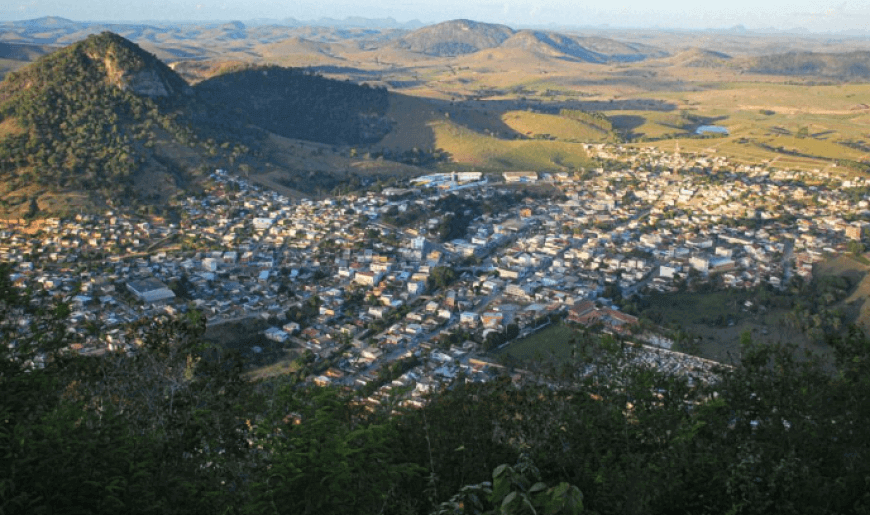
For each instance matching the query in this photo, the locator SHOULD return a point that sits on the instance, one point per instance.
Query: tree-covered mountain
(103, 121)
(89, 119)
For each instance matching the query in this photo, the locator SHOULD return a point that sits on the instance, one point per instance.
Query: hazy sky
(820, 15)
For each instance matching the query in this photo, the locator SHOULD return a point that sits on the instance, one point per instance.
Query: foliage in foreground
(175, 430)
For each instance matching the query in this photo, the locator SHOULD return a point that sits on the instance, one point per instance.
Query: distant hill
(551, 44)
(585, 49)
(273, 41)
(700, 58)
(354, 22)
(24, 51)
(15, 55)
(455, 37)
(460, 37)
(843, 66)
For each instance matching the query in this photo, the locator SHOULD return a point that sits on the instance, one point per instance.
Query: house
(514, 177)
(378, 311)
(367, 278)
(492, 319)
(587, 313)
(150, 291)
(276, 335)
(469, 318)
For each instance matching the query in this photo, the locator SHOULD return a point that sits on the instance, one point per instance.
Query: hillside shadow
(628, 104)
(626, 122)
(415, 116)
(349, 71)
(299, 104)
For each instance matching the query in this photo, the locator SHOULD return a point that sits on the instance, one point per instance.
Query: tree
(102, 435)
(32, 209)
(441, 277)
(326, 458)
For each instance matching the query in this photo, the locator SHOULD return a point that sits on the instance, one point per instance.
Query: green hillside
(298, 104)
(86, 119)
(103, 122)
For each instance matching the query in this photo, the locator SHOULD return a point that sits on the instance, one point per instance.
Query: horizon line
(738, 28)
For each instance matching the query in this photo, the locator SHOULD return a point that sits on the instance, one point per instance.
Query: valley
(587, 115)
(366, 266)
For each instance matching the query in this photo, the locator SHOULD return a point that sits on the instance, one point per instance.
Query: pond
(711, 129)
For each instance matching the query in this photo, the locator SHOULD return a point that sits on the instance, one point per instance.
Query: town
(386, 291)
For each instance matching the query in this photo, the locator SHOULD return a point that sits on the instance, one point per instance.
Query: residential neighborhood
(337, 280)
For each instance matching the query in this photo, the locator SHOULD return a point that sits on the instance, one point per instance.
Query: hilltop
(84, 123)
(455, 37)
(103, 122)
(700, 58)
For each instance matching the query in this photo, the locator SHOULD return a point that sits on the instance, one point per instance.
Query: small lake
(711, 129)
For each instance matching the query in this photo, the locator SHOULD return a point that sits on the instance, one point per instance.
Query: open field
(242, 337)
(554, 341)
(717, 343)
(540, 125)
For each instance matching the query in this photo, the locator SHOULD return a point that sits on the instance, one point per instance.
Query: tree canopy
(175, 429)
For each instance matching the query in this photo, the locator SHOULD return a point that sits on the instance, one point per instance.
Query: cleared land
(553, 341)
(245, 337)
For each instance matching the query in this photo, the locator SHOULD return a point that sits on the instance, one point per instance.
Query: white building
(276, 335)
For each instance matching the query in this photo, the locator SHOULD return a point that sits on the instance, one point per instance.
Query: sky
(817, 16)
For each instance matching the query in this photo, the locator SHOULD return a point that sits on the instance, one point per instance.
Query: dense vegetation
(86, 118)
(174, 429)
(70, 116)
(846, 66)
(99, 116)
(299, 104)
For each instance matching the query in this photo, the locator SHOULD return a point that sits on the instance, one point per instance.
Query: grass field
(533, 125)
(243, 336)
(467, 146)
(764, 114)
(550, 341)
(699, 308)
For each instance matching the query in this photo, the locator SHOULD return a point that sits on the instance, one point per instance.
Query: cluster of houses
(366, 290)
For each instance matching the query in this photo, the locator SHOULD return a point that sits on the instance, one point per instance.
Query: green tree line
(174, 428)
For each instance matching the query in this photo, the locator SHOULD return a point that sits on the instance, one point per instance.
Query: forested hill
(851, 66)
(85, 120)
(103, 122)
(298, 104)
